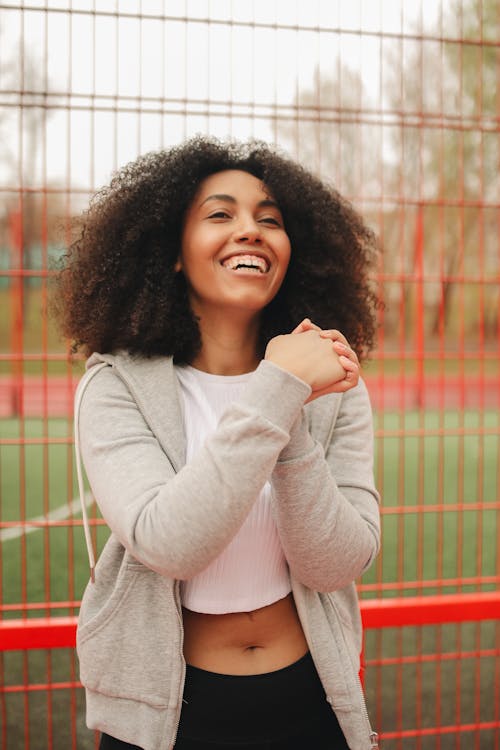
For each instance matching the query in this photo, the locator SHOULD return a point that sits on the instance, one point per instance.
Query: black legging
(111, 743)
(281, 710)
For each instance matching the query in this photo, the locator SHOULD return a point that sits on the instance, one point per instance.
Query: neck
(228, 347)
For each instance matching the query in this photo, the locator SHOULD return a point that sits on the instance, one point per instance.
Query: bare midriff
(244, 643)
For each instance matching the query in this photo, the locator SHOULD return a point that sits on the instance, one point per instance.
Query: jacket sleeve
(177, 523)
(326, 506)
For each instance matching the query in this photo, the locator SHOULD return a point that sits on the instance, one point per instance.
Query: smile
(254, 263)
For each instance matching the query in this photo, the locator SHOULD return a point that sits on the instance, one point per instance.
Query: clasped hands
(321, 358)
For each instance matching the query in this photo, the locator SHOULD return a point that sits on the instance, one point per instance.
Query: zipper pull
(374, 741)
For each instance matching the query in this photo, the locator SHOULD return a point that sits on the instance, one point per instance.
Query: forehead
(234, 182)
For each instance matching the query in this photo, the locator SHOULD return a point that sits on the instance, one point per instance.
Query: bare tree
(23, 119)
(335, 134)
(445, 89)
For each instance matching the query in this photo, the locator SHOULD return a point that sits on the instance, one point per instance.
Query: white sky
(110, 62)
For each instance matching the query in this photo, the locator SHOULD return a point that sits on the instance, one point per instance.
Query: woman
(228, 443)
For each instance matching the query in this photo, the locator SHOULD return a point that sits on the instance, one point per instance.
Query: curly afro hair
(117, 288)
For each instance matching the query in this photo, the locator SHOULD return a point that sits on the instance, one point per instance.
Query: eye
(270, 220)
(220, 214)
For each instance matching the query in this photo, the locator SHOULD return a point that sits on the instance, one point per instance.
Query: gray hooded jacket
(169, 519)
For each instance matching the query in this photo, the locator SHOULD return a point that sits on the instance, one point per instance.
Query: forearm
(326, 504)
(329, 534)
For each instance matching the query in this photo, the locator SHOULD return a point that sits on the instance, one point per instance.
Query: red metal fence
(396, 103)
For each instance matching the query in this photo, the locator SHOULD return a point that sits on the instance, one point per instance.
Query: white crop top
(251, 572)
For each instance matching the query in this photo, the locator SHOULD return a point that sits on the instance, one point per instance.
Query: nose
(248, 232)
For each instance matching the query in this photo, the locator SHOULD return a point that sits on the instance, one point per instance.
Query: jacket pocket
(129, 635)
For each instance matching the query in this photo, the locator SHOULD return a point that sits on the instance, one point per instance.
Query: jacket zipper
(182, 663)
(374, 737)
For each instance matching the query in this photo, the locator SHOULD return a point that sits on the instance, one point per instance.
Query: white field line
(58, 514)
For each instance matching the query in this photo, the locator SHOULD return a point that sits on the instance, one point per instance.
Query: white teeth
(248, 262)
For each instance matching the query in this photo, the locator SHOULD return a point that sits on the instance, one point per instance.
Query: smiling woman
(227, 439)
(119, 289)
(234, 255)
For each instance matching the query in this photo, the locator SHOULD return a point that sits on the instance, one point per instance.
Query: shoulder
(126, 366)
(123, 375)
(129, 394)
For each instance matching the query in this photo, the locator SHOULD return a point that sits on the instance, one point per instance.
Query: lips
(246, 262)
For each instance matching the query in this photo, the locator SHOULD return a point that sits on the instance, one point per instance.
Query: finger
(334, 335)
(350, 380)
(302, 326)
(348, 364)
(343, 350)
(306, 325)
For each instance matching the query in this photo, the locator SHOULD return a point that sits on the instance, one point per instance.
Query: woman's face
(235, 250)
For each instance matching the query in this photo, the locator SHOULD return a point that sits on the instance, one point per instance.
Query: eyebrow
(231, 199)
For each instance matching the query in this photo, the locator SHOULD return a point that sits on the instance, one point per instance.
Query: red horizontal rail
(479, 726)
(37, 632)
(60, 632)
(384, 661)
(40, 687)
(430, 610)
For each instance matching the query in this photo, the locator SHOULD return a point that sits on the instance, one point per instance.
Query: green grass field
(423, 460)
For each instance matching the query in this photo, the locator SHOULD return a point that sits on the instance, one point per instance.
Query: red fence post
(17, 308)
